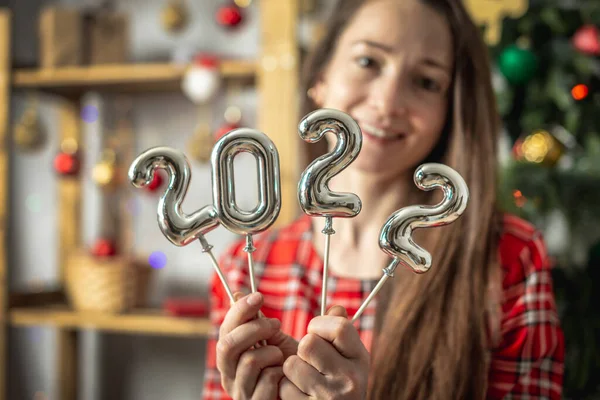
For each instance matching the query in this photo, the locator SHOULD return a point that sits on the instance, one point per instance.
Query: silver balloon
(314, 195)
(269, 186)
(179, 228)
(269, 183)
(395, 237)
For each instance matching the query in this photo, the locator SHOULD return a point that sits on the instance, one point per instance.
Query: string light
(579, 92)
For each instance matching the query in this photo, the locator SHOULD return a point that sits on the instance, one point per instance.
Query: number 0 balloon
(267, 210)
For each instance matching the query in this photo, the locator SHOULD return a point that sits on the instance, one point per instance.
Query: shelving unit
(275, 76)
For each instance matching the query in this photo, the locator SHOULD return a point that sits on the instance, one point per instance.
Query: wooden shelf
(145, 321)
(119, 77)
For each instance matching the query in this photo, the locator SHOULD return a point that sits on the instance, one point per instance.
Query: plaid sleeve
(529, 360)
(219, 303)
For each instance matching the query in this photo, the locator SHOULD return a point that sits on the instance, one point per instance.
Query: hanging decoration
(243, 3)
(104, 247)
(67, 162)
(518, 64)
(202, 79)
(232, 116)
(156, 183)
(174, 16)
(587, 40)
(229, 16)
(490, 13)
(27, 132)
(105, 173)
(201, 143)
(539, 147)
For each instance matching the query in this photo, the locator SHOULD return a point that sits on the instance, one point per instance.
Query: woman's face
(391, 71)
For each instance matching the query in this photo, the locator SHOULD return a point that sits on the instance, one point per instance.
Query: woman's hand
(332, 362)
(246, 372)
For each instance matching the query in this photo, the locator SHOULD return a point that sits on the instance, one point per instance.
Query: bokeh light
(579, 92)
(89, 114)
(157, 259)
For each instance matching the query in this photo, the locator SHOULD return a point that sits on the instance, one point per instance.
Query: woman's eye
(365, 62)
(429, 84)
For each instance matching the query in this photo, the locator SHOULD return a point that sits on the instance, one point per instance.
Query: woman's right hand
(246, 372)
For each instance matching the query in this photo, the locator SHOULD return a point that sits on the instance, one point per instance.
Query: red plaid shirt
(526, 364)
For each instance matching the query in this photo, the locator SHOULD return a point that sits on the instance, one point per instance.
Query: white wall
(119, 366)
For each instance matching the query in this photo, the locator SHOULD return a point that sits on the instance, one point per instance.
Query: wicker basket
(113, 285)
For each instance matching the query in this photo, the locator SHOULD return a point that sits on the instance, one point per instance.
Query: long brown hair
(435, 335)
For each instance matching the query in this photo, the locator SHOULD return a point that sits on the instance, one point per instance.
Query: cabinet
(275, 75)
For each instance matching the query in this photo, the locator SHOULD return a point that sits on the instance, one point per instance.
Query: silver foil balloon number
(314, 195)
(269, 186)
(178, 227)
(395, 237)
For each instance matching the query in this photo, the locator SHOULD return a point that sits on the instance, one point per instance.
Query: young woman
(481, 323)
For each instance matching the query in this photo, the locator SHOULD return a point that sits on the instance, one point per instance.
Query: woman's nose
(388, 97)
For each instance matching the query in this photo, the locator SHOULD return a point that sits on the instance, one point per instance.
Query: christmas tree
(547, 81)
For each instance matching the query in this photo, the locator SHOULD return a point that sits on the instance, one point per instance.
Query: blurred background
(97, 304)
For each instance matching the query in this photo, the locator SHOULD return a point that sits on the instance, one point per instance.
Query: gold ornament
(242, 3)
(541, 147)
(27, 133)
(492, 12)
(105, 172)
(201, 144)
(174, 16)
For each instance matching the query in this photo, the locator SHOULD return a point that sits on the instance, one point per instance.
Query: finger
(251, 364)
(289, 391)
(321, 354)
(340, 332)
(267, 387)
(231, 346)
(337, 311)
(243, 310)
(304, 376)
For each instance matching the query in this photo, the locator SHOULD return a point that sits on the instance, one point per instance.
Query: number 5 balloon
(395, 237)
(178, 227)
(314, 194)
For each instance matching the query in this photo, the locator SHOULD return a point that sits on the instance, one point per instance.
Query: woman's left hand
(332, 362)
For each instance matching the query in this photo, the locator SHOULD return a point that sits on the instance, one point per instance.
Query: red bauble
(156, 183)
(104, 248)
(587, 40)
(229, 16)
(66, 163)
(222, 131)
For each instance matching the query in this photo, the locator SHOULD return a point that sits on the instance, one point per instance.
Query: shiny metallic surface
(269, 183)
(178, 227)
(395, 237)
(314, 195)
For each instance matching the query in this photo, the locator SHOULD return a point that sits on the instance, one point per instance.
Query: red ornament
(587, 40)
(66, 163)
(206, 60)
(517, 150)
(229, 16)
(104, 248)
(223, 130)
(156, 183)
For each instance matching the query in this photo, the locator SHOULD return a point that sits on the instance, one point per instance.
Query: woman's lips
(382, 140)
